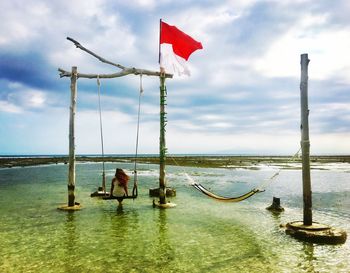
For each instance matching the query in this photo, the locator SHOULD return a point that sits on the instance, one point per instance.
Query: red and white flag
(175, 47)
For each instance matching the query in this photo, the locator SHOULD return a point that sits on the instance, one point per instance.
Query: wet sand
(221, 161)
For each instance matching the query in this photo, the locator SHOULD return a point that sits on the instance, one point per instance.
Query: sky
(242, 97)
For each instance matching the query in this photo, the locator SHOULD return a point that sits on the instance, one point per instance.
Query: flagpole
(160, 33)
(162, 147)
(162, 190)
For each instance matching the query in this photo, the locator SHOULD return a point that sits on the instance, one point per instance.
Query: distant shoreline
(207, 161)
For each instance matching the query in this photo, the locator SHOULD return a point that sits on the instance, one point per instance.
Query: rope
(267, 182)
(101, 134)
(134, 191)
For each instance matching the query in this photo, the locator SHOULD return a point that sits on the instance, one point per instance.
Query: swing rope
(267, 182)
(101, 135)
(134, 190)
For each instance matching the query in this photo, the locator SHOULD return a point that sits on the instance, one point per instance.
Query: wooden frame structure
(74, 76)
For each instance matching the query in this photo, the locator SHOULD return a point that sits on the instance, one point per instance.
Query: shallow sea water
(199, 235)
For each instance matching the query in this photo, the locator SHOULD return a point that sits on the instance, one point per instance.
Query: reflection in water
(120, 209)
(308, 258)
(123, 241)
(71, 238)
(276, 216)
(165, 249)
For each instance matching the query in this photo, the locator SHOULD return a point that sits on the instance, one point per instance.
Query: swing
(102, 190)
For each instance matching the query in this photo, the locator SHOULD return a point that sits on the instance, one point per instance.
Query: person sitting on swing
(119, 185)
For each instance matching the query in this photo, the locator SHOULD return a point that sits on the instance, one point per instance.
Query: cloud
(243, 94)
(27, 68)
(199, 142)
(29, 98)
(323, 51)
(20, 98)
(20, 22)
(6, 106)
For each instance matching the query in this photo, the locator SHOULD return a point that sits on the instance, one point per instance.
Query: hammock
(202, 189)
(257, 189)
(242, 197)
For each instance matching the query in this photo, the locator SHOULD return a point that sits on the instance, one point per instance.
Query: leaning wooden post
(71, 174)
(162, 146)
(305, 142)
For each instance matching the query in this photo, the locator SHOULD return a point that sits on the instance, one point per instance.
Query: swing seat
(119, 198)
(99, 194)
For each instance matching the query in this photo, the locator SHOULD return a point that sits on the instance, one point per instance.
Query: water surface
(199, 235)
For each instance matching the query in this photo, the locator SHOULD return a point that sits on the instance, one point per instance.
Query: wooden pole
(306, 230)
(305, 142)
(71, 174)
(162, 146)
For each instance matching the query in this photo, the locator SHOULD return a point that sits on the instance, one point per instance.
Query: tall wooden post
(71, 174)
(306, 230)
(162, 146)
(305, 142)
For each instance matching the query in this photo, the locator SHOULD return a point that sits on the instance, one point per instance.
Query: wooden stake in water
(305, 142)
(71, 174)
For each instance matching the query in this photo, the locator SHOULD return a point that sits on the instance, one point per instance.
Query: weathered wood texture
(124, 70)
(305, 142)
(71, 173)
(162, 146)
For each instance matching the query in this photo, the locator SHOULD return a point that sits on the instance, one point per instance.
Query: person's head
(122, 177)
(119, 171)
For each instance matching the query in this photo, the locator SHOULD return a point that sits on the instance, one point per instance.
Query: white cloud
(107, 35)
(46, 25)
(330, 143)
(119, 131)
(148, 4)
(199, 142)
(5, 106)
(327, 48)
(336, 107)
(21, 22)
(205, 23)
(26, 98)
(263, 143)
